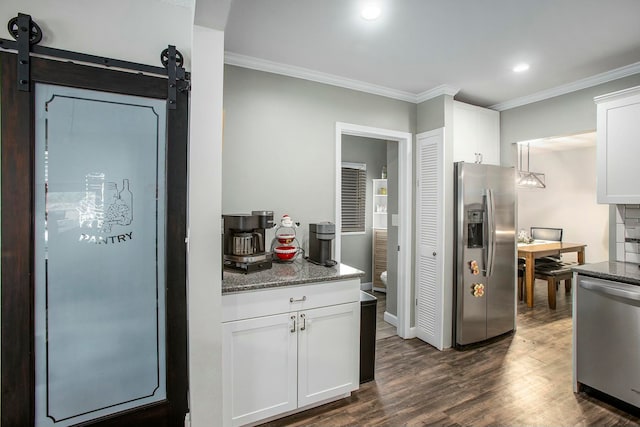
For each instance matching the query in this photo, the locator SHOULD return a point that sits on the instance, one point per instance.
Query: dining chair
(549, 234)
(551, 268)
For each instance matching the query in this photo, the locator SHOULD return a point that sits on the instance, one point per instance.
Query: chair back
(545, 233)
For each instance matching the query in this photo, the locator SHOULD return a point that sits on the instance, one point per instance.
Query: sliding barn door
(429, 238)
(101, 222)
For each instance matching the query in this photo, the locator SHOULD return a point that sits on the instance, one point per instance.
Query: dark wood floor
(383, 329)
(524, 379)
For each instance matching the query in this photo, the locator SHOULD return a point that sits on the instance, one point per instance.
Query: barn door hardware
(27, 34)
(172, 60)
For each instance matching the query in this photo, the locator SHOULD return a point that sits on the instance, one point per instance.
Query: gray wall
(392, 231)
(562, 115)
(357, 248)
(279, 141)
(430, 114)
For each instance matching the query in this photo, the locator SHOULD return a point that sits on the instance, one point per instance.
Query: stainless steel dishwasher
(608, 337)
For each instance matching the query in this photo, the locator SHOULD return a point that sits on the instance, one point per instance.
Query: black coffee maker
(243, 242)
(320, 236)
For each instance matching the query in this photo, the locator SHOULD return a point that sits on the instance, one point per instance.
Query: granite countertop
(298, 272)
(626, 272)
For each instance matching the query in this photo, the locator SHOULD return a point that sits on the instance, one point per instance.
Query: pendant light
(527, 178)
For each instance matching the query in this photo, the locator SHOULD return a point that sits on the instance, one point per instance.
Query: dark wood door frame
(17, 224)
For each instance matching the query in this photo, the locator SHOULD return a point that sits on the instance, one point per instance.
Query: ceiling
(560, 143)
(417, 47)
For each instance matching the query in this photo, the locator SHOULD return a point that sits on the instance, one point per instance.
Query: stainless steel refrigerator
(485, 252)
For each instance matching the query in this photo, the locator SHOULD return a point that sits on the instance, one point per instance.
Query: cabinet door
(618, 151)
(488, 134)
(476, 134)
(259, 368)
(328, 352)
(464, 135)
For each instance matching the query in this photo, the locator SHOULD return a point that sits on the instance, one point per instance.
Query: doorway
(569, 167)
(557, 189)
(401, 219)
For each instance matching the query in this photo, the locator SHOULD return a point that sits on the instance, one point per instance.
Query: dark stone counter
(611, 270)
(286, 274)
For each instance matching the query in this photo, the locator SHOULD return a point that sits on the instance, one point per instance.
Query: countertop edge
(299, 272)
(230, 289)
(625, 272)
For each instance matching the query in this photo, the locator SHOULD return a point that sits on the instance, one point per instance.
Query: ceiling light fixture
(370, 11)
(521, 68)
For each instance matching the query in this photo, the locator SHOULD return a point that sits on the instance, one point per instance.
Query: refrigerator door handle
(491, 232)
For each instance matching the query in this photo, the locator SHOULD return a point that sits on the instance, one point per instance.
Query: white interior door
(429, 238)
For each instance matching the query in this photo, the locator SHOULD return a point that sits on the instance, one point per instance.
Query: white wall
(204, 258)
(135, 31)
(568, 202)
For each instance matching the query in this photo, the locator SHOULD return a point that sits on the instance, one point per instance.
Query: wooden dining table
(531, 251)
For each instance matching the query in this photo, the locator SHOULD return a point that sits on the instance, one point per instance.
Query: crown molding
(435, 92)
(605, 77)
(334, 80)
(315, 76)
(618, 94)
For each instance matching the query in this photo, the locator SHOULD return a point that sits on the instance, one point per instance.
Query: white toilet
(383, 277)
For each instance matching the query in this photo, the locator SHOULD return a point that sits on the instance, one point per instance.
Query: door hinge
(398, 248)
(416, 301)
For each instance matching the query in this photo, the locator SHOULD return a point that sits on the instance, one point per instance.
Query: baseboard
(411, 333)
(391, 319)
(366, 286)
(377, 289)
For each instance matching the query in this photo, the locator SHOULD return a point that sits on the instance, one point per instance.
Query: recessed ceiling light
(370, 11)
(521, 68)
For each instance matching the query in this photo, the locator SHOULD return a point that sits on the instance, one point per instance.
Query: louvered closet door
(429, 238)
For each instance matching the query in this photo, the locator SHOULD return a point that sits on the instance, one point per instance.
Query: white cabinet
(618, 147)
(379, 238)
(289, 348)
(476, 134)
(379, 198)
(259, 368)
(328, 352)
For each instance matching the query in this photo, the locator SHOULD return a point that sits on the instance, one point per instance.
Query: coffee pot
(243, 242)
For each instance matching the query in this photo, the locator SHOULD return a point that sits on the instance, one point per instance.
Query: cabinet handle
(304, 298)
(304, 323)
(293, 328)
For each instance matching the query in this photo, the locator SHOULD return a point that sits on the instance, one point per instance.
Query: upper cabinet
(618, 147)
(476, 134)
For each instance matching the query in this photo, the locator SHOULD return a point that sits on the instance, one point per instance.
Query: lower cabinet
(278, 363)
(260, 368)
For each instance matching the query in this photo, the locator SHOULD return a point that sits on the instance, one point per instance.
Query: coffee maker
(320, 237)
(243, 241)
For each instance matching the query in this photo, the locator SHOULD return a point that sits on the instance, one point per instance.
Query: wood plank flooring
(521, 380)
(383, 329)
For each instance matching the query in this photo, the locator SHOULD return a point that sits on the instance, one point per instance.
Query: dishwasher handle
(616, 291)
